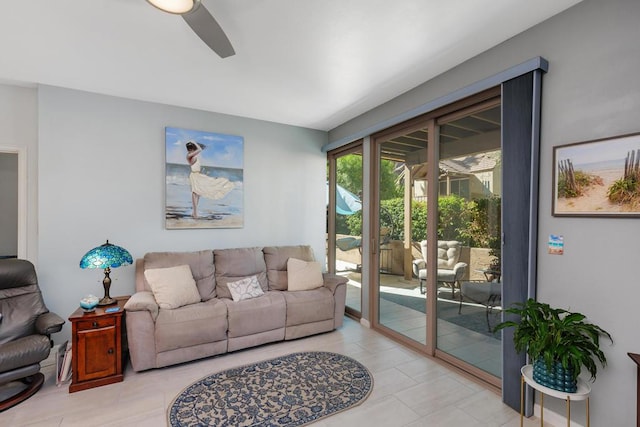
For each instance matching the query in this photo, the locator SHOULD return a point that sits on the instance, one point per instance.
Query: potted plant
(558, 342)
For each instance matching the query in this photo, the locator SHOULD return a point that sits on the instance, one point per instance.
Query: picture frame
(597, 178)
(204, 179)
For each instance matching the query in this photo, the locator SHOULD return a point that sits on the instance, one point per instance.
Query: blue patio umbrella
(347, 203)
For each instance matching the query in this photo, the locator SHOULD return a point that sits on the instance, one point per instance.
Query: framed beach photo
(204, 175)
(598, 178)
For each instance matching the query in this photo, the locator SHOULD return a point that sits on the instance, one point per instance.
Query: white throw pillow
(246, 288)
(173, 287)
(303, 275)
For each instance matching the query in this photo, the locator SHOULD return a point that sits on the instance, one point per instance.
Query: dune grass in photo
(626, 190)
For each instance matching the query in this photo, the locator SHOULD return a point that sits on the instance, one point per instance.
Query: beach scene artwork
(206, 189)
(598, 178)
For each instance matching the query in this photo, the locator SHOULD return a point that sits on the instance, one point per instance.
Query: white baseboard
(555, 419)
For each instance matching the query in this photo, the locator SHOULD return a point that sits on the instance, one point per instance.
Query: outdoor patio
(466, 336)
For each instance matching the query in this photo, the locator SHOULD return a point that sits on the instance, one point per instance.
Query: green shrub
(454, 218)
(354, 222)
(342, 225)
(474, 223)
(392, 217)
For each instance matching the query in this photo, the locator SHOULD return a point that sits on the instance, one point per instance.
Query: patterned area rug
(291, 390)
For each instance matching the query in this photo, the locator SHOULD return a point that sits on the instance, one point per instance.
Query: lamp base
(106, 283)
(107, 301)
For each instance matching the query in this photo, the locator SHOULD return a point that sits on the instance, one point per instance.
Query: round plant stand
(581, 394)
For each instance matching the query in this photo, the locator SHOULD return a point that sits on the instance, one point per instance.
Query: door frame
(432, 206)
(21, 152)
(374, 227)
(431, 121)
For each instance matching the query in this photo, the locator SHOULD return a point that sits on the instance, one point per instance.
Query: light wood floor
(474, 348)
(409, 389)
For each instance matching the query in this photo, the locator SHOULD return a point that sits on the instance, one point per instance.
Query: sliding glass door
(435, 233)
(468, 279)
(400, 221)
(344, 214)
(440, 261)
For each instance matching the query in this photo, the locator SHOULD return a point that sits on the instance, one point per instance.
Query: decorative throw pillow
(246, 288)
(303, 275)
(173, 287)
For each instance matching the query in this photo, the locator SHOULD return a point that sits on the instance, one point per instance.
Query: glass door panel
(347, 221)
(399, 226)
(469, 223)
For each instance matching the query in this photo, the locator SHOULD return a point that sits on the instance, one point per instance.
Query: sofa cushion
(256, 315)
(309, 306)
(191, 325)
(235, 264)
(200, 262)
(276, 258)
(303, 275)
(172, 287)
(245, 288)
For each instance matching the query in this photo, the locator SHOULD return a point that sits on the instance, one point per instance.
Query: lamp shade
(106, 256)
(177, 7)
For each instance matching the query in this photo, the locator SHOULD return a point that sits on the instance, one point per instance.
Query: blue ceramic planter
(558, 378)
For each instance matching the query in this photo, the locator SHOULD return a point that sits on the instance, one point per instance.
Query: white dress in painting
(206, 186)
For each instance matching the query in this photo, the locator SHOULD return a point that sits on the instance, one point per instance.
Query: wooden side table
(97, 346)
(581, 394)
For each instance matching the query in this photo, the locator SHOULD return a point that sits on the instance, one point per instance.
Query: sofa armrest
(143, 301)
(338, 287)
(332, 281)
(49, 323)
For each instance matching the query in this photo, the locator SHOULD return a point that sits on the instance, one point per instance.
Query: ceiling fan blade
(208, 29)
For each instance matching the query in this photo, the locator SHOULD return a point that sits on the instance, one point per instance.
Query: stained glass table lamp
(106, 256)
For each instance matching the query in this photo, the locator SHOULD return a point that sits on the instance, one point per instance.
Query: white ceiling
(311, 63)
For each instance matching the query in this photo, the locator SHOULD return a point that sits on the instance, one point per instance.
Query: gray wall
(592, 90)
(8, 204)
(101, 176)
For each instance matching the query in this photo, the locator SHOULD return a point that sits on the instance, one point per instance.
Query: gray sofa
(217, 324)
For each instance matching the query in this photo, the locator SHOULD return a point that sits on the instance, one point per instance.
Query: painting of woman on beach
(204, 179)
(598, 178)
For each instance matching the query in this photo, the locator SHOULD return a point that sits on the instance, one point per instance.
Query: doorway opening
(12, 208)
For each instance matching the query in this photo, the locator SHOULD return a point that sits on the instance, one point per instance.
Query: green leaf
(556, 335)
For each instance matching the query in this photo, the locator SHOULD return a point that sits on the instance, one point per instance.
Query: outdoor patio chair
(450, 271)
(488, 294)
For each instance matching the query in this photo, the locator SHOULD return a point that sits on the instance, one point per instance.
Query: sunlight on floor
(472, 346)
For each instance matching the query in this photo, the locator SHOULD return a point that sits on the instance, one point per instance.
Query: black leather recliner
(25, 329)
